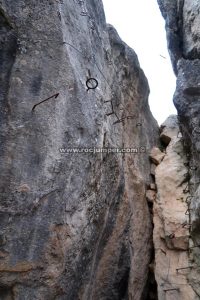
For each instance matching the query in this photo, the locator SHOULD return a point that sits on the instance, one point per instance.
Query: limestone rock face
(156, 156)
(169, 130)
(182, 25)
(73, 225)
(171, 229)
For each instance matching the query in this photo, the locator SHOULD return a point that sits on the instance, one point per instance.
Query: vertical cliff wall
(182, 27)
(171, 217)
(72, 225)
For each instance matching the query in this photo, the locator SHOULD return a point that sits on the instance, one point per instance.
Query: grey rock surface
(182, 26)
(73, 225)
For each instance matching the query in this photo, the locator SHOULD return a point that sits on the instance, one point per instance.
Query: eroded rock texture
(182, 26)
(171, 219)
(73, 226)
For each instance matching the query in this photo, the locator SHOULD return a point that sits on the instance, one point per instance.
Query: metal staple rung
(197, 246)
(187, 213)
(84, 13)
(184, 268)
(172, 289)
(189, 201)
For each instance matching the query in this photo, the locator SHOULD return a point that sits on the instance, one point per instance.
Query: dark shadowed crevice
(151, 292)
(122, 277)
(6, 293)
(123, 285)
(8, 49)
